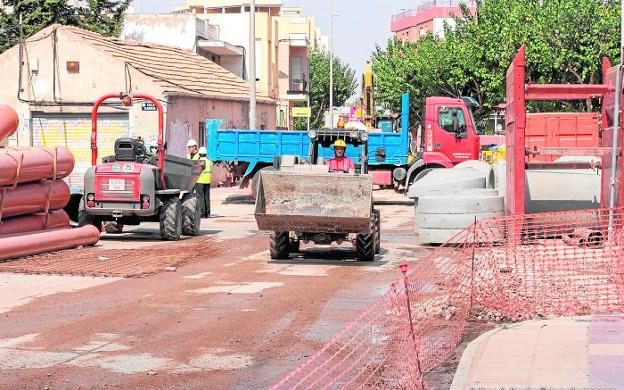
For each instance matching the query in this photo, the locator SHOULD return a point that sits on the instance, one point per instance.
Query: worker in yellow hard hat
(341, 163)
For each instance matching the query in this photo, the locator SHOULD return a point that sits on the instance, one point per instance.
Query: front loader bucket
(314, 202)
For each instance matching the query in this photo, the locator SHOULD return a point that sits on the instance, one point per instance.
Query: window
(259, 58)
(295, 71)
(452, 120)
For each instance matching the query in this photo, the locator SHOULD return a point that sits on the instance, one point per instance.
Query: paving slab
(575, 352)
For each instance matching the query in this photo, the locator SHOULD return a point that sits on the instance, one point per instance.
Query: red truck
(448, 135)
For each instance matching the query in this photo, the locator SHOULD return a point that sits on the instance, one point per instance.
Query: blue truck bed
(260, 146)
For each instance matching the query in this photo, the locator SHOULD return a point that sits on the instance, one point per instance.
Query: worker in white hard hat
(191, 147)
(153, 147)
(202, 188)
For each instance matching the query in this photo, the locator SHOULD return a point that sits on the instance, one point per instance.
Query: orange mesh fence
(502, 269)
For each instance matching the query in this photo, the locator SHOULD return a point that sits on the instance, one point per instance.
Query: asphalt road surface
(209, 312)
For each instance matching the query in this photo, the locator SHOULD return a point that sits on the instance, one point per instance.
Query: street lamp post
(252, 65)
(331, 64)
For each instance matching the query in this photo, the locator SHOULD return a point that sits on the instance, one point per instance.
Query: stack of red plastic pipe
(32, 197)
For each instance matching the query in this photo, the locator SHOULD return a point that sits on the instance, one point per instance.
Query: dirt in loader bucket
(314, 202)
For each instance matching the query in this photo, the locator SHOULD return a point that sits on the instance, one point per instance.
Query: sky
(360, 24)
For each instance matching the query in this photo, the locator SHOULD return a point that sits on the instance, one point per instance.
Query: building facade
(430, 16)
(284, 38)
(186, 31)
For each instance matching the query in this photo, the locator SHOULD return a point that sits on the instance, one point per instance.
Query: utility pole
(252, 65)
(616, 125)
(331, 64)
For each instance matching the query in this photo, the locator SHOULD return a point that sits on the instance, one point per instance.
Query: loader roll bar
(128, 99)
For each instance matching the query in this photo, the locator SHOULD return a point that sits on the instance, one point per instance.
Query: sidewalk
(580, 352)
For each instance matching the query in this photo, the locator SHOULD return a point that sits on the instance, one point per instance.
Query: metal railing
(431, 4)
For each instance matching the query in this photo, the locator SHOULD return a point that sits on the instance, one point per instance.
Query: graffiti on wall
(75, 134)
(179, 134)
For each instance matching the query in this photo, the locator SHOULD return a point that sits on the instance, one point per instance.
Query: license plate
(116, 184)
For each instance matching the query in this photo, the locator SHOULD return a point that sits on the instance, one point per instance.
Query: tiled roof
(176, 70)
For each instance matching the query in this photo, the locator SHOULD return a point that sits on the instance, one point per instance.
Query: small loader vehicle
(301, 201)
(135, 186)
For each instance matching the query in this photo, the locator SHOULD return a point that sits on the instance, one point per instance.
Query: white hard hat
(203, 151)
(191, 142)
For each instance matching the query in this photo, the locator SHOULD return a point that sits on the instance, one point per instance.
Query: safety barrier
(503, 269)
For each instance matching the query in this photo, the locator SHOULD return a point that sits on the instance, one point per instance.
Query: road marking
(297, 269)
(198, 276)
(18, 290)
(215, 361)
(247, 288)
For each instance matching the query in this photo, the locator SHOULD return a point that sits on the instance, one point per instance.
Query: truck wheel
(280, 245)
(85, 219)
(191, 215)
(113, 227)
(171, 219)
(365, 247)
(377, 227)
(295, 246)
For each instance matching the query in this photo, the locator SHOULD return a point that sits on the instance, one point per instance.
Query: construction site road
(222, 315)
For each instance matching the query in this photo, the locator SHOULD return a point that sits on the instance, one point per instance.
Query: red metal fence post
(403, 268)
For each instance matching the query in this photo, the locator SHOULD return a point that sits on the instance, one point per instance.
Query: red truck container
(561, 129)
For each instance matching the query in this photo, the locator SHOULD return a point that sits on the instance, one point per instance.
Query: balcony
(432, 4)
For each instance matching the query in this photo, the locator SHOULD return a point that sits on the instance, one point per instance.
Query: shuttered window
(74, 132)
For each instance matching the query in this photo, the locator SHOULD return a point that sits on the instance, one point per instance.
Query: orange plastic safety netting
(502, 269)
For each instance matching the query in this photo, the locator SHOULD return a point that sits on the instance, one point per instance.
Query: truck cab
(449, 135)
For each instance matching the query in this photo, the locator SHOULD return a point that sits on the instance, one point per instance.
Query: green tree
(344, 87)
(565, 40)
(102, 16)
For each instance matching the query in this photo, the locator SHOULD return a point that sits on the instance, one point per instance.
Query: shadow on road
(149, 235)
(331, 256)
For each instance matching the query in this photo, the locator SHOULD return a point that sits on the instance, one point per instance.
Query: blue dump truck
(388, 152)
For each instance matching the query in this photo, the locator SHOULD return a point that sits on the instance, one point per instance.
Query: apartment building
(284, 38)
(428, 17)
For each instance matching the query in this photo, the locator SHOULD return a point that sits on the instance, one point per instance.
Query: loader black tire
(377, 227)
(295, 246)
(365, 247)
(280, 245)
(191, 215)
(171, 219)
(112, 227)
(85, 219)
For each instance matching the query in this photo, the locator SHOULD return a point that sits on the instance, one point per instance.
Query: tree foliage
(565, 41)
(344, 87)
(102, 16)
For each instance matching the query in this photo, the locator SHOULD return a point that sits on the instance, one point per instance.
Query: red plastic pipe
(32, 198)
(57, 219)
(33, 164)
(8, 122)
(54, 240)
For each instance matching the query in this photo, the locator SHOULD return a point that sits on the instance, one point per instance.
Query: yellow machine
(368, 95)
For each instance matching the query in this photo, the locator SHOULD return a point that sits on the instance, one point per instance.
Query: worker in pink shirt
(340, 163)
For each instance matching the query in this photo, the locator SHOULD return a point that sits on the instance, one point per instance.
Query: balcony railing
(431, 4)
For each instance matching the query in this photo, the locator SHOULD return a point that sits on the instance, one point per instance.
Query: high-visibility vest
(193, 157)
(206, 175)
